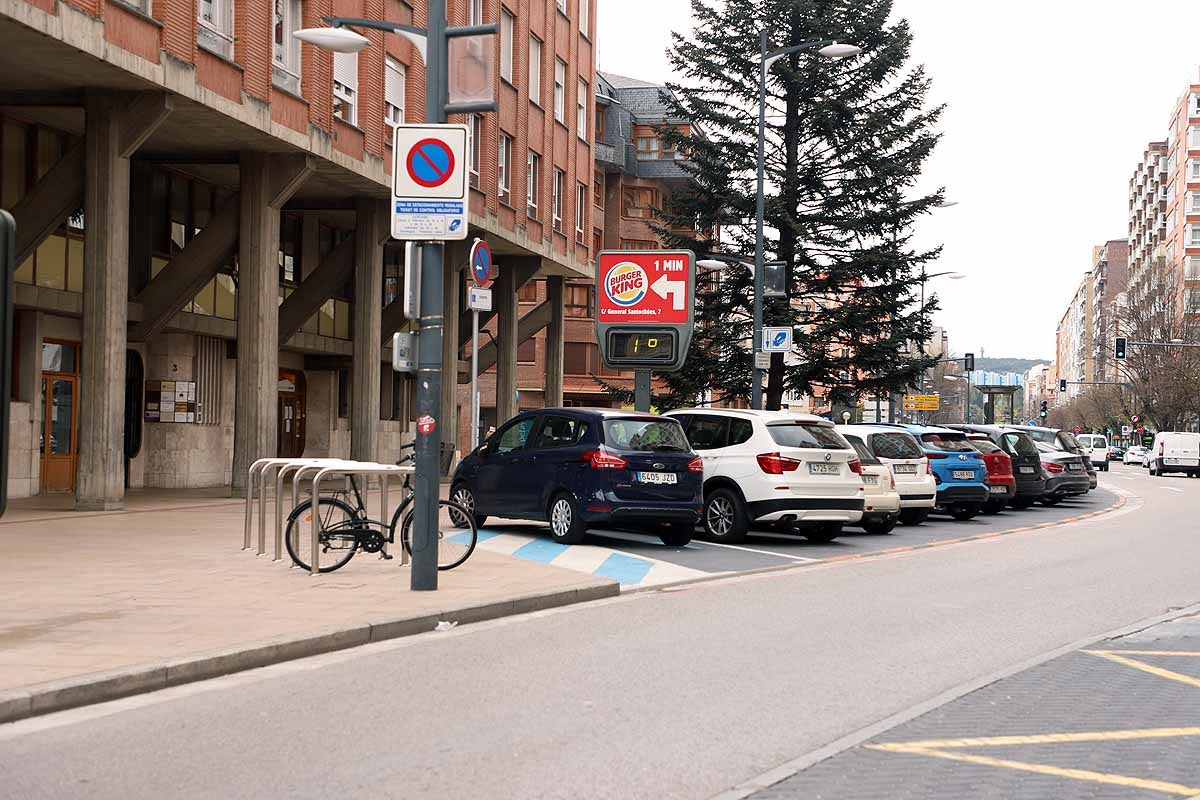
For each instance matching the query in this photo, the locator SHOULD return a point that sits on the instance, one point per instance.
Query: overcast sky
(1050, 104)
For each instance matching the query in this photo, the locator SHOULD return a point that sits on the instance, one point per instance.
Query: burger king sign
(625, 284)
(647, 292)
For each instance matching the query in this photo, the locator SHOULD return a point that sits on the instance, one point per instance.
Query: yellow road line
(1045, 769)
(1159, 671)
(1183, 653)
(1047, 738)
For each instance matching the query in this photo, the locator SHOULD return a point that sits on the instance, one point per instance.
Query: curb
(786, 770)
(99, 687)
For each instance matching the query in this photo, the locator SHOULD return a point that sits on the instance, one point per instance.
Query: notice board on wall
(170, 401)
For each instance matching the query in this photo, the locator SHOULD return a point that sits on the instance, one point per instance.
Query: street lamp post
(829, 48)
(432, 42)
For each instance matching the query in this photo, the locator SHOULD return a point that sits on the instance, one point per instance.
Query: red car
(1002, 483)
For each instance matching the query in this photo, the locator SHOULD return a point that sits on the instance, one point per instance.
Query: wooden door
(291, 425)
(60, 431)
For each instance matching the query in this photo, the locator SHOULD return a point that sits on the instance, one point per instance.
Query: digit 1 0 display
(641, 347)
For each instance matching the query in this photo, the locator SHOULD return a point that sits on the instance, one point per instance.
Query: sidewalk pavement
(97, 606)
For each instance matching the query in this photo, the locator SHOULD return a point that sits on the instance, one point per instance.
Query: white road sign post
(429, 182)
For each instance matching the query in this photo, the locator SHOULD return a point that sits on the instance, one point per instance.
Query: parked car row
(731, 469)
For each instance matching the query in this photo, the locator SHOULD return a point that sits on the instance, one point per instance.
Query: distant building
(1037, 380)
(1075, 358)
(1110, 278)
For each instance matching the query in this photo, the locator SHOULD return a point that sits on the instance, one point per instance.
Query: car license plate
(964, 475)
(999, 489)
(824, 469)
(906, 469)
(871, 480)
(1073, 467)
(1027, 470)
(657, 477)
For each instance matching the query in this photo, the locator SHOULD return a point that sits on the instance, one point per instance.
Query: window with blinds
(206, 366)
(345, 87)
(393, 101)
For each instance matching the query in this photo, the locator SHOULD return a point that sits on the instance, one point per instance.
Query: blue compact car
(575, 467)
(960, 473)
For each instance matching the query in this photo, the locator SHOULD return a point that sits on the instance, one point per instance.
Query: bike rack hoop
(348, 469)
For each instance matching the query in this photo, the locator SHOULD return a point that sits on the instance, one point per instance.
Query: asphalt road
(680, 692)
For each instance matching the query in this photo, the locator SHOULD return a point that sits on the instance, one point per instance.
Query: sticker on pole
(429, 182)
(426, 424)
(482, 267)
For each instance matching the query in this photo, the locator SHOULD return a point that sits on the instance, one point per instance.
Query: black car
(1026, 460)
(1064, 441)
(575, 467)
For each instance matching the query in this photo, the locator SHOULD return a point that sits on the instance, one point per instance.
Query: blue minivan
(960, 473)
(576, 467)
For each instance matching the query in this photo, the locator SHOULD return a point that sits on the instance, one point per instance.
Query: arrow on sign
(663, 287)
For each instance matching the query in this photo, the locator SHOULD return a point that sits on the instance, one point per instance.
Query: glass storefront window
(341, 319)
(226, 297)
(74, 265)
(325, 322)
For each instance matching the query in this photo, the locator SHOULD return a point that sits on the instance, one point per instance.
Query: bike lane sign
(429, 182)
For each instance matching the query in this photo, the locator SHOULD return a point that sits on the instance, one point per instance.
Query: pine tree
(845, 143)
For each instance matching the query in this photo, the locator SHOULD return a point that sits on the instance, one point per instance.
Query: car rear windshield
(948, 442)
(658, 435)
(860, 447)
(895, 445)
(1070, 441)
(985, 446)
(807, 434)
(1021, 444)
(1045, 437)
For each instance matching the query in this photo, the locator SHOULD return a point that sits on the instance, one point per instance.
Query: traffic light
(969, 362)
(1045, 412)
(1121, 343)
(1062, 384)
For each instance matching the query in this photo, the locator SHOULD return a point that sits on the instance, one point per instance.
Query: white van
(1173, 451)
(1095, 445)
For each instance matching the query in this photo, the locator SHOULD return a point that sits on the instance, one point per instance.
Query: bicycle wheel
(454, 544)
(338, 539)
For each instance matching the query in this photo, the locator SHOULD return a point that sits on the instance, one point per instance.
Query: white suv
(776, 467)
(898, 449)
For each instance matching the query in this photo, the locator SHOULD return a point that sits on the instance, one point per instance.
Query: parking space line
(1040, 738)
(1144, 667)
(753, 550)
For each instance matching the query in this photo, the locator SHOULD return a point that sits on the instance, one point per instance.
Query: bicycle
(345, 528)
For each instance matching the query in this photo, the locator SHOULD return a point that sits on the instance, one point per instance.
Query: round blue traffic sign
(481, 263)
(430, 163)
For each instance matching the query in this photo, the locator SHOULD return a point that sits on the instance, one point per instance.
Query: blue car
(578, 467)
(960, 473)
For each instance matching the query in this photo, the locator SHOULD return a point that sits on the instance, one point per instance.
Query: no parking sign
(429, 182)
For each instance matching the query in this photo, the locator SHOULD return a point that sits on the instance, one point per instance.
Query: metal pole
(967, 400)
(474, 379)
(429, 351)
(641, 390)
(756, 398)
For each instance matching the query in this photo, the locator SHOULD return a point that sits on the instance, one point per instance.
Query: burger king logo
(625, 284)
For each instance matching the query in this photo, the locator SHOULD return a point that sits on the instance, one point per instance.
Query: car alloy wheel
(560, 518)
(719, 517)
(463, 497)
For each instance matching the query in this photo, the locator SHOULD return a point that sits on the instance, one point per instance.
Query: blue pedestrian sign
(776, 340)
(482, 267)
(429, 182)
(1031, 424)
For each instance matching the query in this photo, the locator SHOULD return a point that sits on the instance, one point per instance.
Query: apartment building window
(345, 87)
(599, 122)
(584, 13)
(562, 6)
(393, 91)
(475, 12)
(504, 159)
(507, 23)
(533, 173)
(1193, 136)
(1193, 169)
(1194, 202)
(577, 300)
(1193, 268)
(647, 148)
(215, 32)
(535, 69)
(475, 126)
(1193, 236)
(578, 358)
(560, 91)
(556, 200)
(581, 98)
(285, 71)
(527, 352)
(638, 203)
(597, 241)
(598, 189)
(581, 195)
(529, 292)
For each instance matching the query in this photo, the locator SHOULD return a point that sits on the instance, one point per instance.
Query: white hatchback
(775, 467)
(898, 449)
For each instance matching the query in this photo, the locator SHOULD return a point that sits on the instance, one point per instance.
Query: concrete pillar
(256, 397)
(368, 310)
(452, 303)
(555, 336)
(100, 484)
(504, 301)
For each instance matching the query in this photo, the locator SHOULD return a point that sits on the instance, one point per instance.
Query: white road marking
(1172, 489)
(753, 550)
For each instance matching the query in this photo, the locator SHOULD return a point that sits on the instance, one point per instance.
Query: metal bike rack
(301, 473)
(258, 473)
(296, 466)
(348, 469)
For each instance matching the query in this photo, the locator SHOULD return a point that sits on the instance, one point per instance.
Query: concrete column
(368, 310)
(256, 397)
(100, 484)
(452, 302)
(555, 336)
(504, 301)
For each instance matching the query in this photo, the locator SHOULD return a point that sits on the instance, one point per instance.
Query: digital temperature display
(638, 347)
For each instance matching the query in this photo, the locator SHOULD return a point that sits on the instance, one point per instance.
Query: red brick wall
(253, 45)
(49, 6)
(316, 69)
(217, 74)
(289, 110)
(179, 27)
(91, 7)
(131, 32)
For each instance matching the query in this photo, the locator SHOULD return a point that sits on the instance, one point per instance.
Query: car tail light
(696, 464)
(1054, 468)
(1161, 447)
(932, 456)
(775, 464)
(928, 467)
(891, 481)
(599, 459)
(855, 466)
